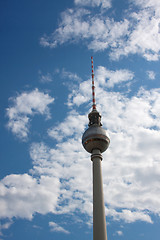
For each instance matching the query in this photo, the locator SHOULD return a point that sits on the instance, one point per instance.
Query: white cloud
(113, 77)
(69, 127)
(23, 107)
(155, 4)
(144, 34)
(70, 75)
(104, 77)
(68, 162)
(77, 25)
(22, 195)
(45, 78)
(80, 95)
(70, 27)
(56, 228)
(94, 3)
(5, 226)
(119, 233)
(138, 32)
(151, 75)
(130, 216)
(131, 165)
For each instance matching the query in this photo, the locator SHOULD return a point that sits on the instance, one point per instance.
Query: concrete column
(99, 219)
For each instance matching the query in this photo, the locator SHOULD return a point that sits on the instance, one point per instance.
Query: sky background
(45, 82)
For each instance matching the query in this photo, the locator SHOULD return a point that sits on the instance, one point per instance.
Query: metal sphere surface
(95, 137)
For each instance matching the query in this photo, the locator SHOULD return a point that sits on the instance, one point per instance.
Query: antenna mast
(93, 88)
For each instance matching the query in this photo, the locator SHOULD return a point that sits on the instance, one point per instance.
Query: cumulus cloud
(60, 180)
(104, 77)
(22, 195)
(130, 166)
(57, 228)
(79, 24)
(94, 3)
(5, 226)
(136, 33)
(151, 75)
(155, 4)
(113, 77)
(23, 107)
(45, 78)
(130, 123)
(119, 233)
(144, 39)
(69, 127)
(70, 75)
(72, 170)
(81, 95)
(71, 26)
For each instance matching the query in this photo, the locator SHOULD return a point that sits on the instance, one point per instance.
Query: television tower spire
(96, 141)
(93, 88)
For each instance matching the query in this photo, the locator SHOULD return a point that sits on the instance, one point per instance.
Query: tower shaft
(99, 220)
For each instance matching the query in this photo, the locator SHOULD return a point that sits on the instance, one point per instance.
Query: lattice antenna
(93, 88)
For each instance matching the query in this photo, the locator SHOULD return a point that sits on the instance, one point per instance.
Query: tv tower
(96, 141)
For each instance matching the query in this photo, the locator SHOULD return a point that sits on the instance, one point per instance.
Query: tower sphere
(95, 137)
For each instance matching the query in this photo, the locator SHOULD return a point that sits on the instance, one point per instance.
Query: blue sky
(45, 77)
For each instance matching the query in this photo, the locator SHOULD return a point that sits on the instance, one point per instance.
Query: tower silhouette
(96, 141)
